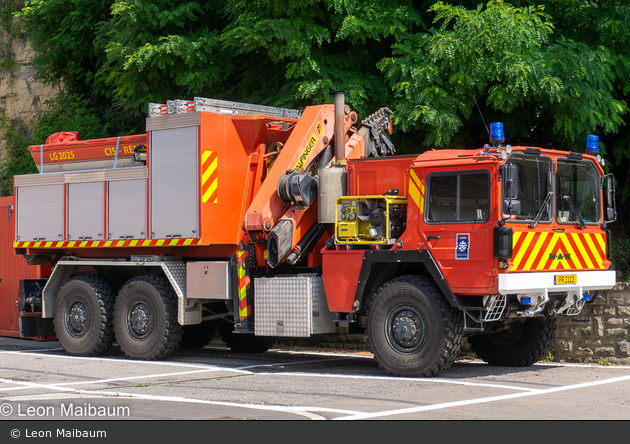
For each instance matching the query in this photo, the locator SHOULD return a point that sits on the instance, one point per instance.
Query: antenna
(484, 120)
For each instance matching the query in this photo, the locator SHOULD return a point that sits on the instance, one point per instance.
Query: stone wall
(21, 96)
(599, 335)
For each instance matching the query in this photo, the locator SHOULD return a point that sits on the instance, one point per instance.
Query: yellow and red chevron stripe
(209, 181)
(545, 251)
(243, 284)
(416, 190)
(111, 243)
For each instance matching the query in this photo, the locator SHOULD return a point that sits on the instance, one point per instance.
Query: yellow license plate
(565, 279)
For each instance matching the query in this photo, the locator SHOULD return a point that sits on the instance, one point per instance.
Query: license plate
(565, 279)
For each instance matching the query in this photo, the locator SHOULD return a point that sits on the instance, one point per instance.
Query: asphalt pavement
(39, 382)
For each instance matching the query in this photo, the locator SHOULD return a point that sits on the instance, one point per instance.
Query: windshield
(534, 185)
(577, 192)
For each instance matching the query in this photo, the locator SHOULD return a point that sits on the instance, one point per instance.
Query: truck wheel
(145, 319)
(83, 316)
(520, 344)
(246, 342)
(412, 330)
(197, 336)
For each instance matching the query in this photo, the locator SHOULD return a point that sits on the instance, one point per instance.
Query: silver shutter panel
(174, 189)
(40, 213)
(127, 209)
(86, 210)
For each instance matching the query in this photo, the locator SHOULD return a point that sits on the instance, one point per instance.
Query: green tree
(502, 57)
(156, 50)
(552, 71)
(300, 52)
(63, 32)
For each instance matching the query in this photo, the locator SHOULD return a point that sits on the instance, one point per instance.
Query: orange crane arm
(275, 210)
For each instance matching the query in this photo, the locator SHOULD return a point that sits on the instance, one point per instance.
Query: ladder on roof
(220, 107)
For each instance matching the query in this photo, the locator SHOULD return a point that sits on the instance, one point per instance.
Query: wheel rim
(406, 329)
(139, 320)
(77, 318)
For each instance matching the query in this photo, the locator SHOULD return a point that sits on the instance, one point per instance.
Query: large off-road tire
(83, 316)
(197, 336)
(246, 342)
(145, 319)
(412, 329)
(519, 345)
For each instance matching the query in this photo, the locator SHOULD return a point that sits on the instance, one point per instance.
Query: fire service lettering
(123, 149)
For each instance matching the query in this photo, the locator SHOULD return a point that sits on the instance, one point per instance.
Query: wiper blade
(540, 212)
(580, 220)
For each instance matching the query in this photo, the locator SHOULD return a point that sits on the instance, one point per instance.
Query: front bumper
(541, 293)
(541, 282)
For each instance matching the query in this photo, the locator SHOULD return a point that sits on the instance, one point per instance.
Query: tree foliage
(552, 70)
(502, 56)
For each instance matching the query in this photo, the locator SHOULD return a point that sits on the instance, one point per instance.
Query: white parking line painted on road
(483, 400)
(402, 379)
(124, 360)
(127, 378)
(307, 411)
(34, 350)
(281, 364)
(299, 410)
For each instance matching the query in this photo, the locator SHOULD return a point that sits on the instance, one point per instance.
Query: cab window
(577, 192)
(534, 188)
(458, 197)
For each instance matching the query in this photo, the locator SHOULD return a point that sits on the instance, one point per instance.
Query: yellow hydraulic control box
(370, 219)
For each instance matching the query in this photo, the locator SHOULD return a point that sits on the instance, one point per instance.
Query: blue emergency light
(592, 144)
(496, 132)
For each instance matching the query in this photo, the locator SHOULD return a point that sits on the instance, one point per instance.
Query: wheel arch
(189, 311)
(379, 267)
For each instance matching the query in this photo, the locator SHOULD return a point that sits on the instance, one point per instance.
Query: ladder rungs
(228, 107)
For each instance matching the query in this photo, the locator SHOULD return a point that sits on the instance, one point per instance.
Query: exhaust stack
(339, 133)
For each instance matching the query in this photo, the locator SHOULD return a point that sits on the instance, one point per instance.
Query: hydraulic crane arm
(310, 136)
(283, 208)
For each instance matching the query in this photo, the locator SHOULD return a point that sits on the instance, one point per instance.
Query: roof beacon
(496, 133)
(592, 144)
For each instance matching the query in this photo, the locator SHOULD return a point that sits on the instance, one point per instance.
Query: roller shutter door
(86, 203)
(40, 213)
(127, 209)
(174, 189)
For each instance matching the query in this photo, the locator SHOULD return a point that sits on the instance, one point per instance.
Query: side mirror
(609, 198)
(509, 179)
(511, 207)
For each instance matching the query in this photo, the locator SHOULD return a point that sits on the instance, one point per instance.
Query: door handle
(433, 237)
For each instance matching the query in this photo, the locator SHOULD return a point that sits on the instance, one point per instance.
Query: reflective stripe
(544, 251)
(109, 243)
(209, 177)
(243, 284)
(416, 190)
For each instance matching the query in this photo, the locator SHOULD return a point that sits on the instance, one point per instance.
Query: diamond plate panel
(173, 121)
(188, 310)
(291, 307)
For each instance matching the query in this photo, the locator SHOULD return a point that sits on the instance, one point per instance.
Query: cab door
(458, 226)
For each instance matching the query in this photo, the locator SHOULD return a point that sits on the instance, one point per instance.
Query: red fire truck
(264, 222)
